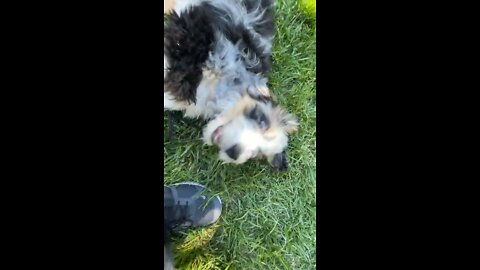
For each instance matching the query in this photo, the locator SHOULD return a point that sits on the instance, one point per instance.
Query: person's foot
(185, 206)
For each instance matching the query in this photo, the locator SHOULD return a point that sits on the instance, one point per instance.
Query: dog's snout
(279, 162)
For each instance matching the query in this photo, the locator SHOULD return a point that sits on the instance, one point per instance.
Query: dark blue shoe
(185, 206)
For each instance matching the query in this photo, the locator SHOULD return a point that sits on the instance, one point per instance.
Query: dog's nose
(233, 152)
(279, 162)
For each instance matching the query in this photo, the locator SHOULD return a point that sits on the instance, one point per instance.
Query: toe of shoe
(211, 213)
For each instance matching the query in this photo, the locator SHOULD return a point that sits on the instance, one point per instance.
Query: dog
(217, 56)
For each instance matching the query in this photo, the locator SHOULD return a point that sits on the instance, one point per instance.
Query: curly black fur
(239, 34)
(248, 42)
(188, 39)
(266, 24)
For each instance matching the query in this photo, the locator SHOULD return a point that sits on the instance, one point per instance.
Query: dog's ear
(279, 162)
(288, 122)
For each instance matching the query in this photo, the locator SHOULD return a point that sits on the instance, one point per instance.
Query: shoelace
(180, 215)
(180, 211)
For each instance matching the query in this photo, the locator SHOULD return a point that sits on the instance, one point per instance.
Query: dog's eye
(253, 114)
(258, 116)
(262, 121)
(263, 124)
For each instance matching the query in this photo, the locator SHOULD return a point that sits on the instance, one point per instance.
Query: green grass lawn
(268, 219)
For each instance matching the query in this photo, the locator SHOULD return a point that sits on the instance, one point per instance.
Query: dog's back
(202, 29)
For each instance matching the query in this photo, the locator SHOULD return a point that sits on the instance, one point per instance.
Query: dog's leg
(171, 125)
(169, 103)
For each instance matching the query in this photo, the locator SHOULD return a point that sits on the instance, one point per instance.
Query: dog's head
(253, 128)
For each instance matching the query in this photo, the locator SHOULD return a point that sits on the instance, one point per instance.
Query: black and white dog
(217, 56)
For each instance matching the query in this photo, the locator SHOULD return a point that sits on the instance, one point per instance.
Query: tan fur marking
(275, 115)
(240, 106)
(168, 6)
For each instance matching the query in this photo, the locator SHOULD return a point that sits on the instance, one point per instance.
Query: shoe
(185, 206)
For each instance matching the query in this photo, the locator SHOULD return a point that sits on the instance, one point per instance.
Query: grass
(268, 219)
